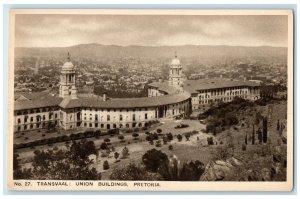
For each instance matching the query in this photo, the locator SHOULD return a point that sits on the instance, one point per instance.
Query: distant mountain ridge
(105, 52)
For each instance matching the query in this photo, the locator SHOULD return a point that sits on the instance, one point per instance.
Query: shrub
(55, 148)
(187, 136)
(158, 143)
(128, 131)
(170, 136)
(121, 137)
(144, 128)
(179, 137)
(43, 135)
(170, 147)
(165, 139)
(116, 155)
(104, 146)
(97, 133)
(158, 130)
(105, 165)
(36, 152)
(147, 132)
(210, 140)
(125, 152)
(180, 126)
(149, 137)
(151, 142)
(135, 135)
(244, 147)
(26, 138)
(136, 130)
(106, 140)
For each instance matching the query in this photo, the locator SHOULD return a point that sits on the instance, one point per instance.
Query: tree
(170, 136)
(65, 165)
(121, 137)
(132, 172)
(125, 152)
(19, 172)
(187, 137)
(149, 137)
(246, 139)
(189, 171)
(153, 159)
(105, 165)
(278, 125)
(135, 135)
(106, 140)
(210, 141)
(170, 147)
(159, 131)
(259, 135)
(165, 139)
(253, 136)
(104, 146)
(179, 137)
(265, 130)
(116, 155)
(158, 143)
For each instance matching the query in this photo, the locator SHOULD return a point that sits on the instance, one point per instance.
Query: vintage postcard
(150, 100)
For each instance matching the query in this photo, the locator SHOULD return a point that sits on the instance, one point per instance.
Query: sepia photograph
(186, 100)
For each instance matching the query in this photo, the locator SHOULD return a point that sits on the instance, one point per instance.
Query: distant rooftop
(40, 100)
(125, 102)
(193, 86)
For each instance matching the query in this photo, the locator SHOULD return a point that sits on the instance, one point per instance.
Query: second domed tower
(176, 76)
(67, 86)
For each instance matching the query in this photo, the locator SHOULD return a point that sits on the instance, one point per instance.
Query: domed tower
(67, 86)
(176, 77)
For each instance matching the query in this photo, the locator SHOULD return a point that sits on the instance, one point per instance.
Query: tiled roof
(192, 86)
(164, 86)
(125, 102)
(37, 102)
(31, 96)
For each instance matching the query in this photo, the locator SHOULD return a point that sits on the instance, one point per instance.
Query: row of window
(223, 90)
(32, 126)
(109, 126)
(114, 110)
(228, 94)
(38, 110)
(120, 117)
(218, 100)
(38, 118)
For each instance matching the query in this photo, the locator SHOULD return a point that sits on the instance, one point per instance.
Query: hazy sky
(66, 30)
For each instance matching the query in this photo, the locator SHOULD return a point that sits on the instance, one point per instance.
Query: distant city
(128, 76)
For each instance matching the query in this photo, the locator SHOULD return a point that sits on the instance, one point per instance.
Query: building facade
(204, 91)
(67, 110)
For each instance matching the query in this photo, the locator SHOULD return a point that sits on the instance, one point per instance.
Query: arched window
(108, 118)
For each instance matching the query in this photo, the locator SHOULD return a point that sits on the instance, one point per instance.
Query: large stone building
(166, 99)
(70, 110)
(203, 91)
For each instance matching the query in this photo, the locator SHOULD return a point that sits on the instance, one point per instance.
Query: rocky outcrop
(219, 169)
